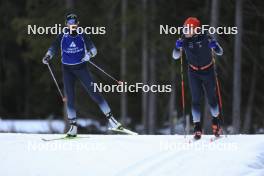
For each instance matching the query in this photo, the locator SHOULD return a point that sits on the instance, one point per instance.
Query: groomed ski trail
(126, 155)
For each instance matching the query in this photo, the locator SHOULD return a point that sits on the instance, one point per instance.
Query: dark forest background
(134, 51)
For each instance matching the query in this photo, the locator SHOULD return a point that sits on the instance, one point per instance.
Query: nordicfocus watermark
(137, 87)
(69, 146)
(59, 29)
(201, 146)
(204, 29)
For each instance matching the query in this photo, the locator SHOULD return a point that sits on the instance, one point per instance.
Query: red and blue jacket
(197, 50)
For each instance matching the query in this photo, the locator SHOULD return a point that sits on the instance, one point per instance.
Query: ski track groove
(151, 161)
(164, 162)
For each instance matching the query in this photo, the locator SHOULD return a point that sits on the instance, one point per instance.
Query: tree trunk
(123, 59)
(215, 14)
(2, 64)
(214, 23)
(248, 114)
(27, 89)
(152, 74)
(237, 69)
(144, 66)
(172, 103)
(152, 95)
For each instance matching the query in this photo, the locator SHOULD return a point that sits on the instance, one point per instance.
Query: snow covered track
(123, 155)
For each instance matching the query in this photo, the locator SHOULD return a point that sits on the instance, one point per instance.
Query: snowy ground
(120, 155)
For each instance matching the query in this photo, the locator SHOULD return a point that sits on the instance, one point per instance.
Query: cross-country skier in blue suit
(76, 50)
(198, 48)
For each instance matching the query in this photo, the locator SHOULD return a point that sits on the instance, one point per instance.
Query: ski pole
(182, 92)
(96, 66)
(218, 91)
(56, 83)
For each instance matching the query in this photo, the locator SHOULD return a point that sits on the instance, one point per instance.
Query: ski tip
(123, 131)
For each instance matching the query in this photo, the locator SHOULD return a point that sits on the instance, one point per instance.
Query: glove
(212, 44)
(179, 44)
(46, 59)
(87, 57)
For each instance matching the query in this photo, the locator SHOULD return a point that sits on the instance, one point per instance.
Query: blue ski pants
(71, 73)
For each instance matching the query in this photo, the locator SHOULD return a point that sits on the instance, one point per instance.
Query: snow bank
(44, 126)
(120, 155)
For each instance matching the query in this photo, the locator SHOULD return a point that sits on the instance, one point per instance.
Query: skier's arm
(218, 49)
(213, 44)
(176, 51)
(53, 49)
(90, 47)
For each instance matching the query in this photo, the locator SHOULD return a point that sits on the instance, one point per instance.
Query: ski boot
(114, 124)
(197, 130)
(216, 121)
(72, 132)
(116, 127)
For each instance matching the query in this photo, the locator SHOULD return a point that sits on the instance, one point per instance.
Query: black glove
(46, 59)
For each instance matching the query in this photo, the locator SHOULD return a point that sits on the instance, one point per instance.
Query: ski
(123, 131)
(63, 138)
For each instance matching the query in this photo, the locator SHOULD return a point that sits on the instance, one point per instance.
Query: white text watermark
(204, 29)
(59, 29)
(133, 88)
(200, 146)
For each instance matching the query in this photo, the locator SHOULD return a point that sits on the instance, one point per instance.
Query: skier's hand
(87, 57)
(46, 59)
(212, 44)
(179, 44)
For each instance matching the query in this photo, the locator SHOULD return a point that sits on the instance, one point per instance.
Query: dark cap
(71, 18)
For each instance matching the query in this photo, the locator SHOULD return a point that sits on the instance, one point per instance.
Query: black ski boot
(216, 127)
(197, 130)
